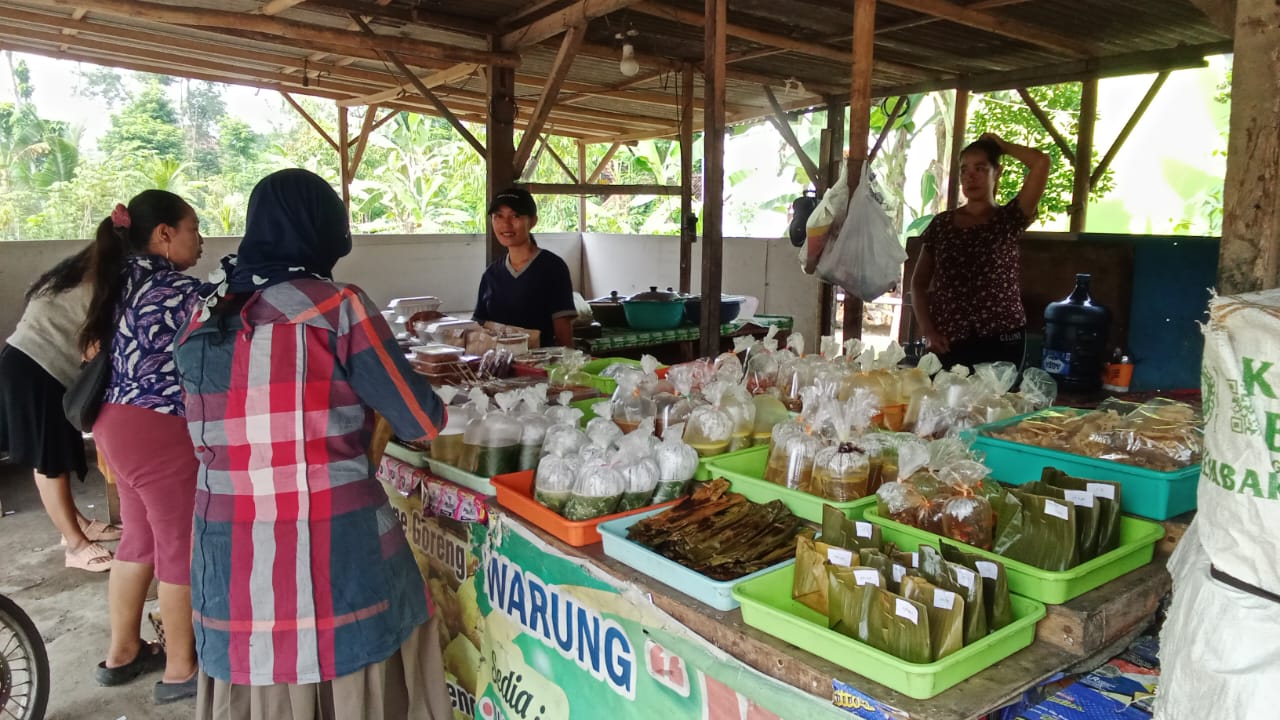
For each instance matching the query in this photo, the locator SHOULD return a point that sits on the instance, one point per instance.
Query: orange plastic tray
(515, 493)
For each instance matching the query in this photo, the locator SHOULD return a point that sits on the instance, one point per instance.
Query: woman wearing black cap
(531, 287)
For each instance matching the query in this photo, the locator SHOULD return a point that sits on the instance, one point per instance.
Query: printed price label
(1102, 490)
(1081, 498)
(988, 569)
(1056, 509)
(863, 529)
(866, 576)
(905, 610)
(966, 577)
(944, 599)
(899, 572)
(839, 556)
(915, 559)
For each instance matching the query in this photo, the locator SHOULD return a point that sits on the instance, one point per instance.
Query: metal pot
(654, 310)
(730, 307)
(608, 311)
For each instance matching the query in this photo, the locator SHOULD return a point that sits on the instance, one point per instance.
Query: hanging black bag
(801, 208)
(83, 400)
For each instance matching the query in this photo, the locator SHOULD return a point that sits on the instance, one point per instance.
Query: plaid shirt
(300, 571)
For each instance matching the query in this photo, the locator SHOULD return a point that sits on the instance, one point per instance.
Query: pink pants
(155, 467)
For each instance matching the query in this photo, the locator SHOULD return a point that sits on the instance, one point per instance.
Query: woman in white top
(39, 361)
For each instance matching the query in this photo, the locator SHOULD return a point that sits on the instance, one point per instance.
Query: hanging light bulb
(628, 65)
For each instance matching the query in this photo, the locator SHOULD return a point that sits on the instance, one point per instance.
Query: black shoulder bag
(83, 400)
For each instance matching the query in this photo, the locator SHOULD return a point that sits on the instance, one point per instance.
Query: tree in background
(1005, 114)
(146, 126)
(101, 83)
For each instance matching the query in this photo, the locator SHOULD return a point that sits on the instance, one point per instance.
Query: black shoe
(150, 658)
(166, 693)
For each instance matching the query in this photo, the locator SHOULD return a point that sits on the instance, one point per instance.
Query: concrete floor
(69, 606)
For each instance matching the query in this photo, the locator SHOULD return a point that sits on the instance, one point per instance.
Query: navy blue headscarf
(296, 227)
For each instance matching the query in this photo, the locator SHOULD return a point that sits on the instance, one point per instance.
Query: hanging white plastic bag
(825, 222)
(866, 257)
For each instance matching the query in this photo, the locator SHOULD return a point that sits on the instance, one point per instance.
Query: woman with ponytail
(140, 299)
(39, 362)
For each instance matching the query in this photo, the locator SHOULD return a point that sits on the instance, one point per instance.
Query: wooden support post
(1250, 256)
(713, 119)
(310, 120)
(959, 125)
(604, 163)
(500, 135)
(344, 158)
(546, 144)
(864, 31)
(550, 91)
(582, 173)
(1138, 112)
(362, 142)
(425, 91)
(1047, 123)
(688, 221)
(783, 124)
(1084, 154)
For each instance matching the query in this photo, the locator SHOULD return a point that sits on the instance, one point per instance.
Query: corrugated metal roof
(801, 48)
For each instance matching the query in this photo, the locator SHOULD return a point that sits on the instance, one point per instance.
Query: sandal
(150, 658)
(92, 557)
(165, 693)
(97, 531)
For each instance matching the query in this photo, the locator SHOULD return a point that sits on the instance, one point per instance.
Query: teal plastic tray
(1138, 540)
(461, 477)
(767, 605)
(745, 472)
(1151, 494)
(717, 594)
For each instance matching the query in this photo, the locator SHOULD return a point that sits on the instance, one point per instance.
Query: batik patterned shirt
(155, 302)
(301, 572)
(977, 274)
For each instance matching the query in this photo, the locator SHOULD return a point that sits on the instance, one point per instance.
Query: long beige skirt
(409, 685)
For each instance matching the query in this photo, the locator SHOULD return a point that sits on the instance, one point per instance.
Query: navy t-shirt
(531, 299)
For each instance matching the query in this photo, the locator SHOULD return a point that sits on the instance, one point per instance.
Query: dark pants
(1008, 347)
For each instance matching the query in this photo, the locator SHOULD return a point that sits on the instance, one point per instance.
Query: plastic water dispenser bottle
(1075, 339)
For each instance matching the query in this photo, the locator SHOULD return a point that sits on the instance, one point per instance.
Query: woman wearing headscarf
(306, 597)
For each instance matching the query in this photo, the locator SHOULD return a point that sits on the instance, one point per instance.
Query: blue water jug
(1075, 339)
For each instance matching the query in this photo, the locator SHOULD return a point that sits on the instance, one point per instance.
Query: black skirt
(33, 429)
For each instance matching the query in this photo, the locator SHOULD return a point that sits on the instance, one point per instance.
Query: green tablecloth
(623, 338)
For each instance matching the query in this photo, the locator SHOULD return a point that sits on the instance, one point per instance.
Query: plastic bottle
(1075, 337)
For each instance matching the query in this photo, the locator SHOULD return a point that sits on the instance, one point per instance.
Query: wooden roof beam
(412, 15)
(442, 77)
(235, 22)
(929, 19)
(805, 47)
(783, 125)
(559, 70)
(1008, 27)
(1138, 112)
(579, 13)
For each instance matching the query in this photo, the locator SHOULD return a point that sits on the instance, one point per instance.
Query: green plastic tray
(1138, 539)
(416, 458)
(767, 605)
(461, 477)
(745, 472)
(1151, 494)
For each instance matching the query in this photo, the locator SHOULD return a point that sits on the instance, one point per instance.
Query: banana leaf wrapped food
(1106, 500)
(722, 534)
(1087, 515)
(1043, 535)
(995, 584)
(946, 615)
(840, 531)
(961, 580)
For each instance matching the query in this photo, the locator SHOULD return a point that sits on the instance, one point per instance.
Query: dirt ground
(69, 606)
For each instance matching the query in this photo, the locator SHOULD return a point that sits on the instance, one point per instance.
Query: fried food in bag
(946, 615)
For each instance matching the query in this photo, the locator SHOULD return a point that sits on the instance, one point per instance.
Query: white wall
(765, 269)
(449, 267)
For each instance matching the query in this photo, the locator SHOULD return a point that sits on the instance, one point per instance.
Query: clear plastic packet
(792, 450)
(597, 492)
(642, 477)
(605, 433)
(770, 412)
(568, 372)
(900, 502)
(553, 482)
(677, 464)
(561, 413)
(564, 441)
(709, 430)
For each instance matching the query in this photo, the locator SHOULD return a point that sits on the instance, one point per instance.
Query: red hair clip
(120, 216)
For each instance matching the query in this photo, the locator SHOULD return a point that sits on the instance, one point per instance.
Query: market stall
(546, 620)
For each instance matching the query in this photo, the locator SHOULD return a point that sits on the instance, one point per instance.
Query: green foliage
(101, 83)
(147, 125)
(1005, 114)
